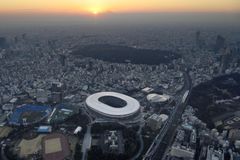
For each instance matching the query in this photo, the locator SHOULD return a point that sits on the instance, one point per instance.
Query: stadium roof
(110, 106)
(157, 98)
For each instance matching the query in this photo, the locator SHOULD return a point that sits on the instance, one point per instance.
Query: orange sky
(119, 6)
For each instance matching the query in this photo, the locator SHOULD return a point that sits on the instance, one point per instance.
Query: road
(164, 138)
(3, 156)
(86, 142)
(139, 133)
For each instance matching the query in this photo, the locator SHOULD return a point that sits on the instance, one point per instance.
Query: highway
(166, 134)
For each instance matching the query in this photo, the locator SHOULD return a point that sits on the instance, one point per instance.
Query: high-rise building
(3, 42)
(62, 60)
(56, 97)
(219, 44)
(200, 43)
(225, 59)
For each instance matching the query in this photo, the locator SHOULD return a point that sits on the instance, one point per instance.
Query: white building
(112, 104)
(147, 90)
(77, 130)
(155, 121)
(182, 152)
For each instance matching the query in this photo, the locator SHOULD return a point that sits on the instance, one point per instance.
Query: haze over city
(94, 12)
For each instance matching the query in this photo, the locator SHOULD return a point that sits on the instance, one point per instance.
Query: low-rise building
(185, 144)
(44, 129)
(182, 152)
(113, 142)
(234, 134)
(213, 154)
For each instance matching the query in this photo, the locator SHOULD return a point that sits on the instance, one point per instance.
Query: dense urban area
(119, 96)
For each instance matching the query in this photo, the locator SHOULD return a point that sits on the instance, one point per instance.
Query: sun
(96, 10)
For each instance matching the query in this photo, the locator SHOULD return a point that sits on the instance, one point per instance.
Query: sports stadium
(156, 98)
(29, 114)
(113, 104)
(55, 147)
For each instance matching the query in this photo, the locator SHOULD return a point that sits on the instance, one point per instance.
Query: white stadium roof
(157, 98)
(131, 107)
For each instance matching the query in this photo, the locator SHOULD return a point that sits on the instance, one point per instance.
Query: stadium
(156, 98)
(55, 147)
(113, 105)
(29, 114)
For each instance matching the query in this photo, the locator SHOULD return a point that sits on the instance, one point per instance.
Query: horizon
(151, 18)
(108, 6)
(99, 13)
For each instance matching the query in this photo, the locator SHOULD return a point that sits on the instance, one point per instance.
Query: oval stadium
(29, 114)
(112, 104)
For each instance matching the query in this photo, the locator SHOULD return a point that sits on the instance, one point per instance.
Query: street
(166, 134)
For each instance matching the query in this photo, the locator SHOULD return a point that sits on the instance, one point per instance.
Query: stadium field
(29, 114)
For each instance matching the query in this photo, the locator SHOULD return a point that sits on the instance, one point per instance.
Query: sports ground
(29, 114)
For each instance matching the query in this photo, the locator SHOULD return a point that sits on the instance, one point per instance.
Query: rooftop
(106, 106)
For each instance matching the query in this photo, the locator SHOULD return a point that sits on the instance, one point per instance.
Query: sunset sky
(118, 6)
